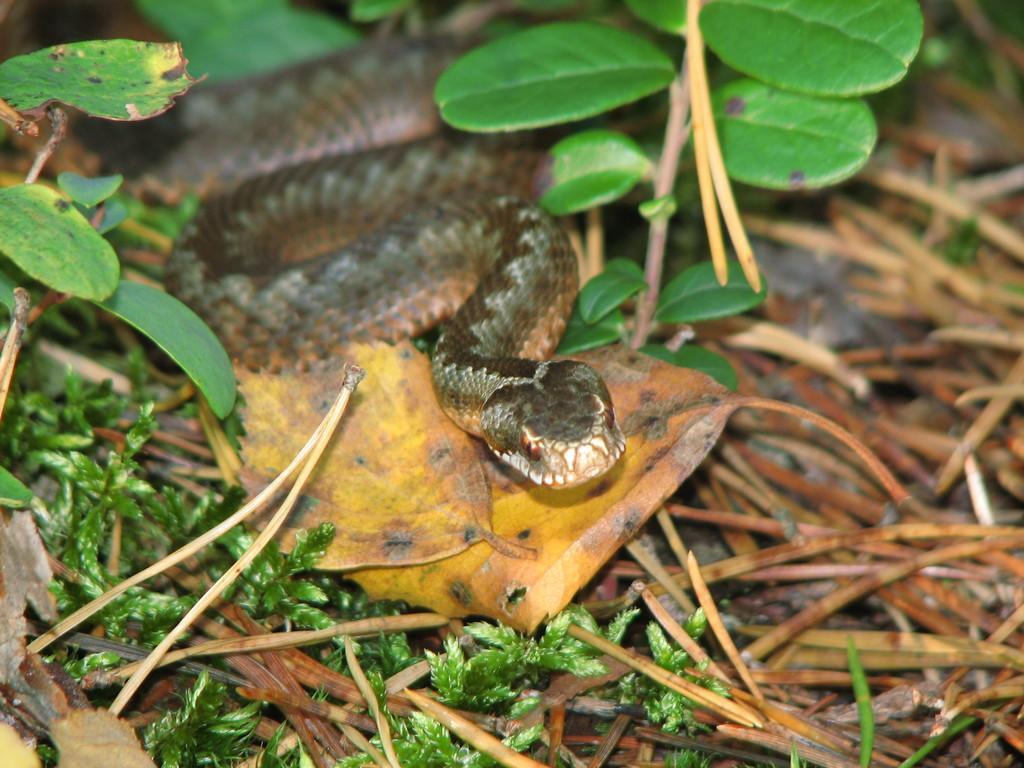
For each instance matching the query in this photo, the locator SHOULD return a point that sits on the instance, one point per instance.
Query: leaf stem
(58, 128)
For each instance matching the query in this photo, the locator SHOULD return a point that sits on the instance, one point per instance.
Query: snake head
(558, 428)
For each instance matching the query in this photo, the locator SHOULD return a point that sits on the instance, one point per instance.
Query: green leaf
(372, 10)
(666, 15)
(86, 191)
(7, 287)
(704, 360)
(783, 140)
(581, 335)
(620, 280)
(225, 39)
(52, 242)
(695, 295)
(12, 492)
(660, 208)
(181, 334)
(862, 694)
(549, 74)
(816, 46)
(115, 79)
(592, 168)
(114, 212)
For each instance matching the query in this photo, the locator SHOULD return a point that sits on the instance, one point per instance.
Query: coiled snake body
(318, 247)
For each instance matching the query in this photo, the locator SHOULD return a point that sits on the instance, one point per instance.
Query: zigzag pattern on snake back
(386, 242)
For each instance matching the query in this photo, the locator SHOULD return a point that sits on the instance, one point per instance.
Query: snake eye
(530, 445)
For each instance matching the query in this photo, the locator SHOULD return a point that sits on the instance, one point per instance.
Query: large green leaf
(785, 140)
(695, 295)
(115, 79)
(666, 15)
(825, 47)
(182, 335)
(549, 74)
(224, 39)
(52, 242)
(7, 287)
(592, 168)
(12, 492)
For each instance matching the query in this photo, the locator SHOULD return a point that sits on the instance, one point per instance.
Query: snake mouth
(567, 466)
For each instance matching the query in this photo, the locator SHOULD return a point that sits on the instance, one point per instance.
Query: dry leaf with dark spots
(92, 738)
(671, 417)
(401, 483)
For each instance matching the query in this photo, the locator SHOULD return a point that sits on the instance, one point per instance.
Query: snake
(339, 209)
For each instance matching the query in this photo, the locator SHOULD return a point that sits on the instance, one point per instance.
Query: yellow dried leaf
(408, 490)
(16, 753)
(93, 738)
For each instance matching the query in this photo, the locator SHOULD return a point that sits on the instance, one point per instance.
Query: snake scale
(346, 213)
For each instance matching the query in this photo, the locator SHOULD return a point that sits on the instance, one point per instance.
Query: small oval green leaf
(782, 140)
(592, 168)
(114, 212)
(549, 74)
(115, 79)
(695, 295)
(666, 15)
(581, 335)
(86, 191)
(13, 493)
(660, 208)
(372, 10)
(609, 289)
(181, 334)
(821, 47)
(704, 360)
(52, 242)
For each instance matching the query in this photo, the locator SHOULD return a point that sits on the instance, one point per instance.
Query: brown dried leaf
(405, 487)
(671, 417)
(401, 483)
(92, 738)
(24, 577)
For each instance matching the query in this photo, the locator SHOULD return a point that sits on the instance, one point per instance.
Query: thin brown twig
(12, 343)
(676, 134)
(58, 128)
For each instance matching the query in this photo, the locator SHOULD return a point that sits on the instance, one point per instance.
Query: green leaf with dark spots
(822, 47)
(181, 334)
(12, 492)
(115, 79)
(86, 191)
(550, 74)
(52, 242)
(782, 140)
(704, 360)
(592, 168)
(695, 295)
(620, 280)
(581, 335)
